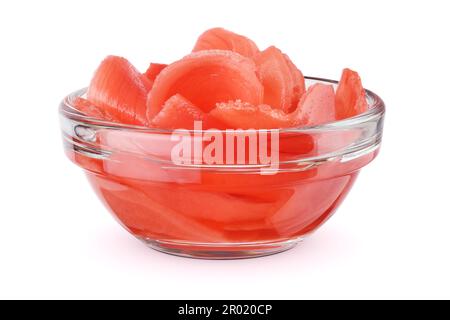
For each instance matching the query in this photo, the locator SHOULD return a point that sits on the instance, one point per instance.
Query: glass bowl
(222, 209)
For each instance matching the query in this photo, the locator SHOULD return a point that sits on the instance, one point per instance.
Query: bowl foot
(221, 251)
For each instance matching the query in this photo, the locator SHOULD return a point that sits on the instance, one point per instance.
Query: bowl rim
(375, 110)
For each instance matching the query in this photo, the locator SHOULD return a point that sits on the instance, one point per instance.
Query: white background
(390, 239)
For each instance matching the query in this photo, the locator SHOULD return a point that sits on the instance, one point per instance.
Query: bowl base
(221, 251)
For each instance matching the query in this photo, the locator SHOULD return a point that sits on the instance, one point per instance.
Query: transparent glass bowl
(221, 211)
